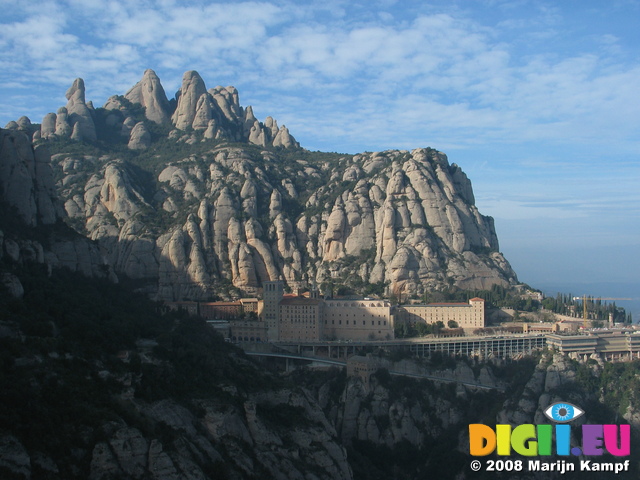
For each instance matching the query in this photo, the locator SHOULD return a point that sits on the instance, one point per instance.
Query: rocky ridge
(211, 201)
(241, 438)
(429, 420)
(156, 395)
(27, 190)
(97, 384)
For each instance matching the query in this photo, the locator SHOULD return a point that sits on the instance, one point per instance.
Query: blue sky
(537, 101)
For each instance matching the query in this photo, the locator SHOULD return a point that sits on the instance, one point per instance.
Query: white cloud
(440, 75)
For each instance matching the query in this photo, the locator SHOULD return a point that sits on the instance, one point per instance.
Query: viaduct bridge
(343, 363)
(337, 353)
(503, 346)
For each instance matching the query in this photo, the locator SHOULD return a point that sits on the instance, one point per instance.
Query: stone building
(301, 319)
(609, 345)
(288, 317)
(357, 320)
(220, 310)
(272, 294)
(362, 367)
(466, 315)
(296, 318)
(251, 305)
(248, 331)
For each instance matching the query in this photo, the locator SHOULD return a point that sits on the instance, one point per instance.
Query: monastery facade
(281, 317)
(466, 315)
(314, 319)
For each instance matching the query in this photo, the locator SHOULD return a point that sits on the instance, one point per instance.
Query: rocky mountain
(31, 227)
(404, 428)
(200, 199)
(96, 383)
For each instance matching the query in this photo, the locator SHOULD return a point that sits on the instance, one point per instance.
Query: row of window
(355, 323)
(356, 305)
(245, 339)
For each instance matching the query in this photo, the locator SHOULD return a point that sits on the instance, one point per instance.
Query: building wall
(220, 310)
(466, 315)
(248, 331)
(251, 305)
(272, 294)
(357, 320)
(363, 367)
(313, 319)
(609, 345)
(300, 319)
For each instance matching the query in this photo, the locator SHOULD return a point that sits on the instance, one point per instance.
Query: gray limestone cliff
(75, 120)
(79, 114)
(243, 438)
(396, 218)
(26, 179)
(27, 190)
(149, 93)
(211, 201)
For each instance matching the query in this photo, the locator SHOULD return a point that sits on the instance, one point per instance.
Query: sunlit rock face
(211, 201)
(149, 93)
(410, 224)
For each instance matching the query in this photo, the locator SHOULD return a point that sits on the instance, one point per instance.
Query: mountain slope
(200, 199)
(98, 383)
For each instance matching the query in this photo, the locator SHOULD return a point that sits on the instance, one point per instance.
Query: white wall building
(466, 315)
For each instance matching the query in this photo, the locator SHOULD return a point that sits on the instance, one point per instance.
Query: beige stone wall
(248, 330)
(300, 320)
(314, 320)
(469, 315)
(250, 305)
(363, 367)
(357, 320)
(272, 294)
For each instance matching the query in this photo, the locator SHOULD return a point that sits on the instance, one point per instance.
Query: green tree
(439, 325)
(423, 329)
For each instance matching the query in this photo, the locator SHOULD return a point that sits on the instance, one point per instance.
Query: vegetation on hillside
(70, 348)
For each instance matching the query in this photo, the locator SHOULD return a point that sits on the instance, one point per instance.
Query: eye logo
(563, 412)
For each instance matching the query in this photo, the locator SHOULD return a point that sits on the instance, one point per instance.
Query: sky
(537, 101)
